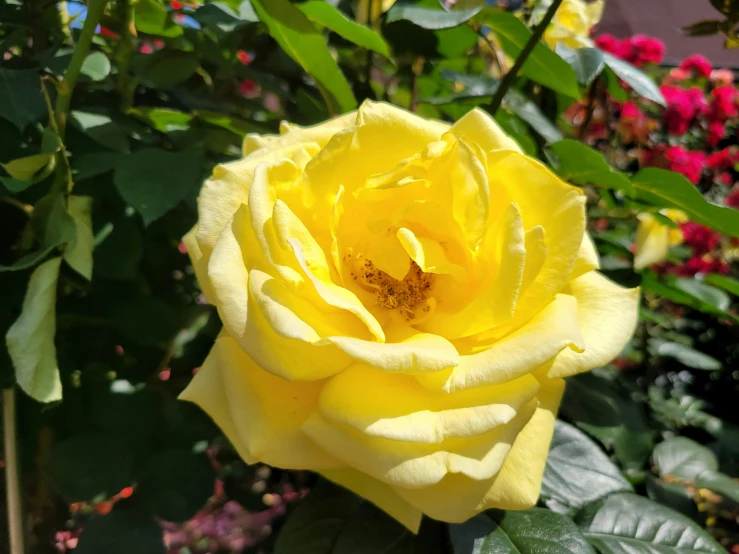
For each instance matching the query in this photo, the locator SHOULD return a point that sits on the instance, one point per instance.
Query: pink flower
(646, 50)
(675, 77)
(715, 133)
(685, 162)
(697, 64)
(631, 111)
(705, 264)
(723, 159)
(249, 88)
(722, 77)
(608, 43)
(680, 111)
(724, 102)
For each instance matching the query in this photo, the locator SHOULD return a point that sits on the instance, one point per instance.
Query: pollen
(409, 295)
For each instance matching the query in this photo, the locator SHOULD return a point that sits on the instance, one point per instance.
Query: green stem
(12, 474)
(66, 86)
(126, 82)
(510, 77)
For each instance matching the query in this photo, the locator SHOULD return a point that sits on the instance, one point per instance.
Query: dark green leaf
(704, 28)
(144, 319)
(629, 523)
(96, 66)
(123, 531)
(667, 189)
(175, 484)
(527, 110)
(672, 495)
(21, 101)
(326, 15)
(93, 465)
(684, 354)
(101, 129)
(430, 18)
(247, 13)
(543, 66)
(298, 37)
(331, 520)
(581, 165)
(586, 62)
(154, 181)
(218, 14)
(53, 227)
(718, 483)
(30, 340)
(531, 531)
(683, 458)
(118, 256)
(642, 84)
(168, 68)
(577, 470)
(93, 164)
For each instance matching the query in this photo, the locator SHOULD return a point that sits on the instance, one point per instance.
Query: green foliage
(103, 152)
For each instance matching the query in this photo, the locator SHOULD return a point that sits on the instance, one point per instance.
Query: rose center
(411, 295)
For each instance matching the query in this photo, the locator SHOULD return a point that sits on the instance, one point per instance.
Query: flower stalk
(12, 474)
(510, 77)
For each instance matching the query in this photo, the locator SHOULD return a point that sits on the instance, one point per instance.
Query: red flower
(107, 33)
(176, 5)
(699, 237)
(676, 158)
(732, 200)
(697, 64)
(631, 111)
(244, 57)
(701, 265)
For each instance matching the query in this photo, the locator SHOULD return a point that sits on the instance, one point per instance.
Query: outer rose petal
(652, 242)
(199, 263)
(607, 315)
(478, 127)
(515, 487)
(380, 494)
(260, 413)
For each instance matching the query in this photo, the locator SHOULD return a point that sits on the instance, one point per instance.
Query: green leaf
(332, 520)
(667, 189)
(670, 290)
(727, 283)
(92, 164)
(102, 129)
(718, 483)
(328, 16)
(30, 340)
(531, 531)
(685, 355)
(298, 37)
(78, 253)
(169, 68)
(144, 319)
(578, 471)
(629, 523)
(247, 13)
(581, 165)
(527, 110)
(96, 66)
(119, 255)
(123, 531)
(429, 18)
(218, 14)
(587, 63)
(708, 294)
(164, 120)
(642, 83)
(543, 66)
(175, 484)
(683, 458)
(91, 465)
(154, 181)
(25, 169)
(151, 17)
(21, 101)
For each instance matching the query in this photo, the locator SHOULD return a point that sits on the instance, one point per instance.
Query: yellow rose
(572, 23)
(654, 238)
(401, 299)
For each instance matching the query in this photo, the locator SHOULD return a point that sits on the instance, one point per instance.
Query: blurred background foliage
(113, 113)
